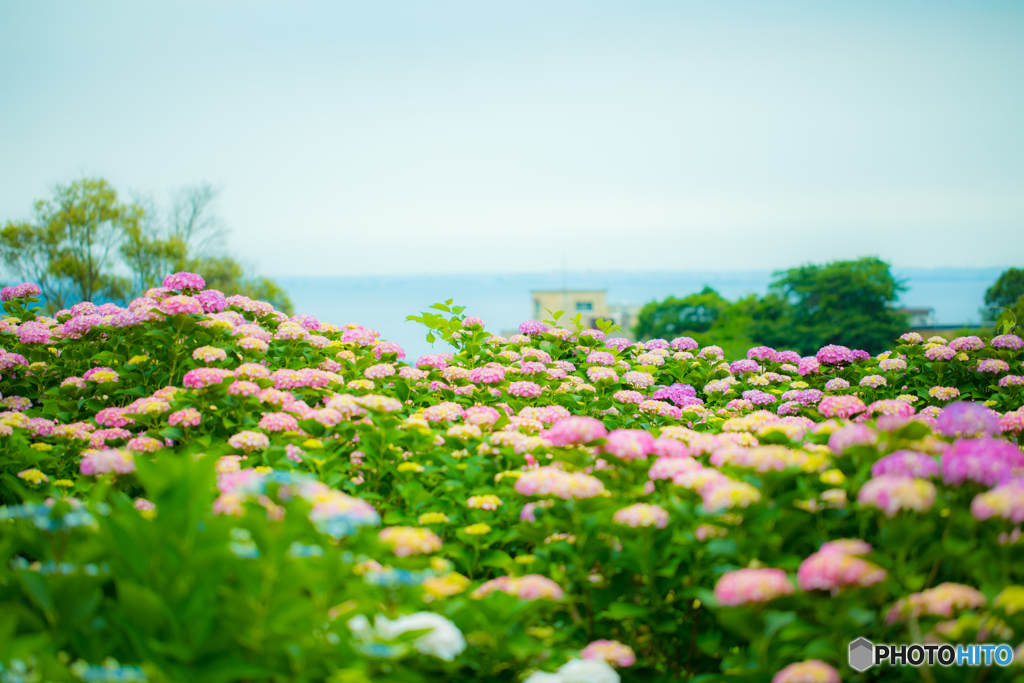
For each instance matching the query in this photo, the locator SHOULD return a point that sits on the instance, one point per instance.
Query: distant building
(922, 321)
(919, 317)
(591, 304)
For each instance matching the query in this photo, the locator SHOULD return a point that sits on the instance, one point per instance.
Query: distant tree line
(843, 302)
(853, 303)
(86, 244)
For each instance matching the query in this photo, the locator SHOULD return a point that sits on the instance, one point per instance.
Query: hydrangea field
(199, 488)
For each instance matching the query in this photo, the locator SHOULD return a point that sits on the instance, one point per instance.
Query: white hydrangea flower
(444, 640)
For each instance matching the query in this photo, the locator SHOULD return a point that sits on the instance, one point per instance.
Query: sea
(503, 299)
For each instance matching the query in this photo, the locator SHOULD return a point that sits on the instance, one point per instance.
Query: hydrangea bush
(198, 487)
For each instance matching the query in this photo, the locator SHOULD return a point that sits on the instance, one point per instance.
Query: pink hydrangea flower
(529, 587)
(187, 417)
(106, 461)
(745, 586)
(278, 422)
(525, 389)
(985, 461)
(183, 281)
(906, 463)
(642, 515)
(835, 568)
(810, 671)
(181, 305)
(1005, 501)
(841, 406)
(249, 441)
(575, 430)
(629, 444)
(833, 354)
(891, 493)
(1008, 341)
(200, 378)
(939, 353)
(406, 540)
(611, 651)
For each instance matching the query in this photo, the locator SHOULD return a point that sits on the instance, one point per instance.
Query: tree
(71, 248)
(843, 302)
(1006, 292)
(674, 317)
(706, 316)
(85, 245)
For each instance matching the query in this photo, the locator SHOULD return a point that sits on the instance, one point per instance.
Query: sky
(376, 138)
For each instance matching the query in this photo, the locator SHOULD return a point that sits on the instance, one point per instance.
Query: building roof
(568, 291)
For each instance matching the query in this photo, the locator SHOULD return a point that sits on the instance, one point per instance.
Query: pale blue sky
(386, 137)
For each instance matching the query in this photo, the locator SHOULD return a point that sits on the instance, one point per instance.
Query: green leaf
(623, 610)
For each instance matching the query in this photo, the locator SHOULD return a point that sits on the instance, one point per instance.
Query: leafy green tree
(71, 247)
(1006, 292)
(706, 316)
(843, 302)
(674, 317)
(87, 245)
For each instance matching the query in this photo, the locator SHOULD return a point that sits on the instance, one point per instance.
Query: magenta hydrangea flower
(833, 354)
(971, 343)
(684, 344)
(212, 300)
(966, 418)
(1008, 341)
(184, 281)
(745, 365)
(529, 327)
(744, 586)
(985, 461)
(617, 343)
(758, 397)
(25, 289)
(906, 463)
(763, 353)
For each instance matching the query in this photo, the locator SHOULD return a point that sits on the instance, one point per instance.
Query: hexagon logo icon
(862, 654)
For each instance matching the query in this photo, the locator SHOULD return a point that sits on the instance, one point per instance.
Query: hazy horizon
(400, 137)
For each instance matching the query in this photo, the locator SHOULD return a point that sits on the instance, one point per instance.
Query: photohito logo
(864, 654)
